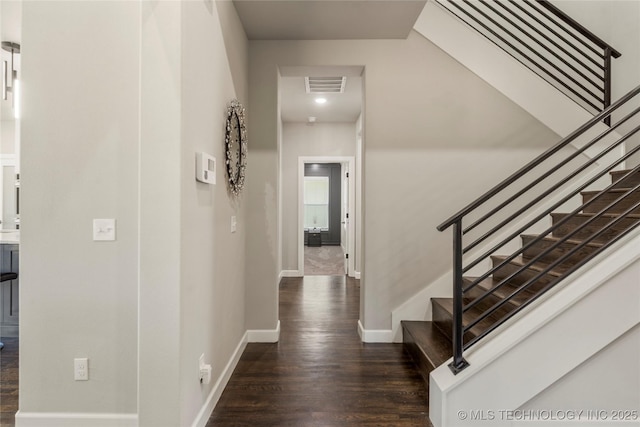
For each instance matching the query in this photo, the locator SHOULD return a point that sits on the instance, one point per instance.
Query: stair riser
(593, 227)
(522, 277)
(488, 302)
(422, 363)
(444, 321)
(608, 198)
(562, 249)
(629, 182)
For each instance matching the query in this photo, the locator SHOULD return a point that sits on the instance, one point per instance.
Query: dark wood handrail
(578, 27)
(537, 161)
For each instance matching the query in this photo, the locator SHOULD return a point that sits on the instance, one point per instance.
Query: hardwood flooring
(8, 381)
(320, 374)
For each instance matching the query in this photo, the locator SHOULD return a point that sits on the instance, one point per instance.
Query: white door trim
(350, 161)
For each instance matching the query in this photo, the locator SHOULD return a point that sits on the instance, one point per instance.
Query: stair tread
(468, 316)
(571, 241)
(502, 292)
(539, 266)
(589, 214)
(621, 172)
(611, 190)
(433, 344)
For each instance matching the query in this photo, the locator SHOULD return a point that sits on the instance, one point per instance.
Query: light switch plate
(234, 224)
(104, 229)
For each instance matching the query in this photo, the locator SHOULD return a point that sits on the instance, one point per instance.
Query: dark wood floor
(8, 381)
(320, 374)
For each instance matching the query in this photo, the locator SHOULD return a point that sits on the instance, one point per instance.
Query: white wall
(262, 231)
(618, 24)
(608, 381)
(79, 298)
(212, 258)
(436, 136)
(159, 217)
(303, 140)
(7, 136)
(151, 82)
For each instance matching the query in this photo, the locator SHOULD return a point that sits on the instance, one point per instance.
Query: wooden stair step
(610, 197)
(426, 344)
(563, 248)
(429, 343)
(443, 318)
(629, 182)
(597, 224)
(497, 295)
(524, 274)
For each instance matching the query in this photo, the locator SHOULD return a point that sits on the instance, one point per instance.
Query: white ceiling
(325, 20)
(296, 105)
(328, 19)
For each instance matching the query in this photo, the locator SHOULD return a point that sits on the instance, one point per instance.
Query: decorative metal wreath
(235, 146)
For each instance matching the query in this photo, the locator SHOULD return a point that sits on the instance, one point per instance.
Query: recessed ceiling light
(321, 100)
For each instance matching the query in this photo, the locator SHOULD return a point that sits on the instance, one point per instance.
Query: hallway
(320, 374)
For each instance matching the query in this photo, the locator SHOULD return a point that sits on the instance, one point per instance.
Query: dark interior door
(333, 171)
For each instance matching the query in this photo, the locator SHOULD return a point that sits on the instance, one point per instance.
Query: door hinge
(346, 256)
(347, 215)
(347, 174)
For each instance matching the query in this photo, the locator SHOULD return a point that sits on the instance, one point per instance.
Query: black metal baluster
(607, 82)
(458, 363)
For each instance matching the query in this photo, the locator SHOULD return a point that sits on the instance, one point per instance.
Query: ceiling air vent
(325, 84)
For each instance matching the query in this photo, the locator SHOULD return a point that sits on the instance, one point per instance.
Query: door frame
(349, 161)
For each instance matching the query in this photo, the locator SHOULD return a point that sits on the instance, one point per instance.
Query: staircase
(584, 233)
(540, 225)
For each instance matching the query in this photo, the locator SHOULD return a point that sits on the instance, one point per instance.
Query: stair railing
(548, 42)
(551, 181)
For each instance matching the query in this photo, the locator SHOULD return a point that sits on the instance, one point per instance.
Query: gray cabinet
(9, 290)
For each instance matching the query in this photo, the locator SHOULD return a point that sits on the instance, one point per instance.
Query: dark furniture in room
(314, 238)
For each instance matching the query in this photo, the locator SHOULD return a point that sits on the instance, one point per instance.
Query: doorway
(326, 233)
(321, 121)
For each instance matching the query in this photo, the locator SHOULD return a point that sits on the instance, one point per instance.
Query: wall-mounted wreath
(235, 142)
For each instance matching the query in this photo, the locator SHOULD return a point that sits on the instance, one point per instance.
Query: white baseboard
(356, 274)
(264, 335)
(73, 419)
(290, 273)
(375, 335)
(212, 400)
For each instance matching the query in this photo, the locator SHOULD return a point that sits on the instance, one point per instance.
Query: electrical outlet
(200, 365)
(204, 371)
(81, 369)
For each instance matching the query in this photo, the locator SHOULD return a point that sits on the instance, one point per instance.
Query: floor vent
(325, 84)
